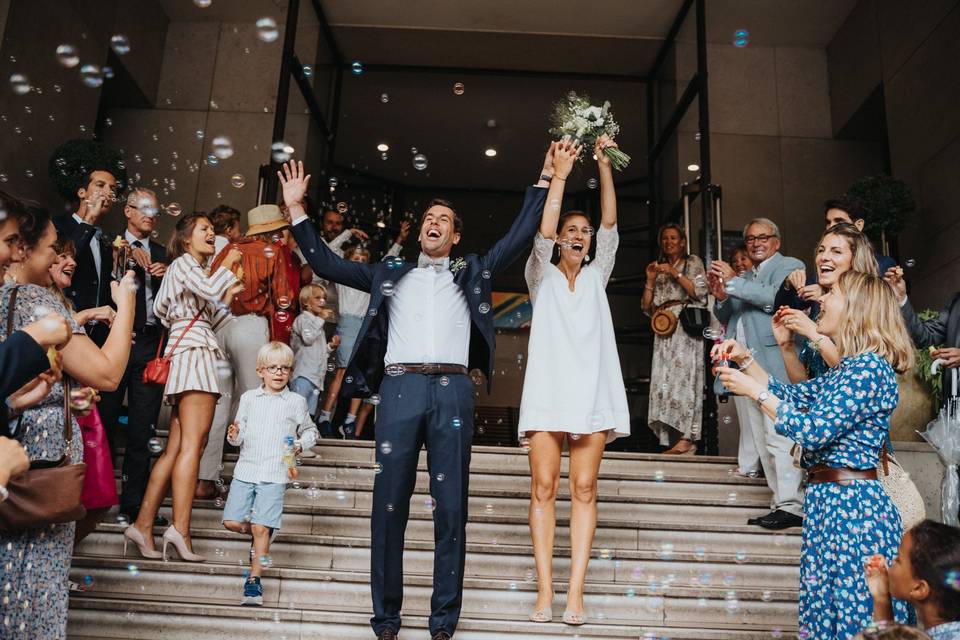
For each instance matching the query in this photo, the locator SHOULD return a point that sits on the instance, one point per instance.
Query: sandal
(542, 615)
(573, 619)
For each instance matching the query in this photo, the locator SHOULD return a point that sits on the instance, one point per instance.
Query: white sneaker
(308, 453)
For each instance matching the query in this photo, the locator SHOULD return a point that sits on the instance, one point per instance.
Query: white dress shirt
(148, 290)
(429, 319)
(266, 419)
(353, 302)
(95, 249)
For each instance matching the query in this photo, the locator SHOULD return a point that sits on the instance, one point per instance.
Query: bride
(573, 390)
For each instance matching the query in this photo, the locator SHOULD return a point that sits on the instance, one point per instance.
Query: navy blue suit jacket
(21, 360)
(366, 362)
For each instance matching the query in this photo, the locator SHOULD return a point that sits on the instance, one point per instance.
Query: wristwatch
(4, 494)
(763, 397)
(544, 176)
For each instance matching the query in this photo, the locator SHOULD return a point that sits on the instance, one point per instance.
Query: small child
(311, 349)
(271, 428)
(926, 573)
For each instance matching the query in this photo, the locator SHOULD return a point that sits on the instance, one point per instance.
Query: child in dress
(310, 347)
(271, 428)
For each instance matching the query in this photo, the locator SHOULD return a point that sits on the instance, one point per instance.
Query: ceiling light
(383, 147)
(490, 152)
(693, 167)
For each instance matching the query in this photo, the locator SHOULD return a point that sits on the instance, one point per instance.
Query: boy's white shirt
(265, 418)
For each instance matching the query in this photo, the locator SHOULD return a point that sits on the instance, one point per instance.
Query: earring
(586, 258)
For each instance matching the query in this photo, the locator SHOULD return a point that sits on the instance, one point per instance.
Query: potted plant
(889, 202)
(920, 394)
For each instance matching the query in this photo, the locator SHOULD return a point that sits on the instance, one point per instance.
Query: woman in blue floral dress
(841, 419)
(35, 562)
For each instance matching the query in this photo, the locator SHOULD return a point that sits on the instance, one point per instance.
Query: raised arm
(324, 262)
(761, 294)
(928, 333)
(608, 196)
(521, 232)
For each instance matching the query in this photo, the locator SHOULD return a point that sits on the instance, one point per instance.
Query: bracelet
(746, 365)
(815, 344)
(556, 177)
(648, 287)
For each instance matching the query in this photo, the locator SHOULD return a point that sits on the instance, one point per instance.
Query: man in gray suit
(745, 306)
(942, 330)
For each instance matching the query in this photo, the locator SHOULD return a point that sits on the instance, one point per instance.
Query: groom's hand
(564, 155)
(294, 183)
(548, 160)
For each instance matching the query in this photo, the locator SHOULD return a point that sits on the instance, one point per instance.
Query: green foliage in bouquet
(576, 118)
(933, 381)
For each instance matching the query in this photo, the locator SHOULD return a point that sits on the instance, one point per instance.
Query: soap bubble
(525, 444)
(377, 468)
(484, 307)
(488, 508)
(384, 98)
(333, 182)
(419, 162)
(374, 399)
(592, 183)
(386, 447)
(265, 561)
(388, 287)
(203, 4)
(280, 151)
(20, 84)
(458, 88)
(910, 262)
(741, 556)
(120, 44)
(67, 55)
(766, 596)
(731, 497)
(238, 181)
(444, 381)
(666, 551)
(727, 419)
(91, 75)
(429, 504)
(155, 445)
(222, 147)
(267, 30)
(283, 302)
(456, 423)
(658, 476)
(133, 570)
(356, 67)
(307, 71)
(342, 207)
(441, 477)
(741, 38)
(218, 502)
(700, 553)
(780, 539)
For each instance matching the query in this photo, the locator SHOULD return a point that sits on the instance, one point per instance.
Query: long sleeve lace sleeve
(538, 261)
(607, 242)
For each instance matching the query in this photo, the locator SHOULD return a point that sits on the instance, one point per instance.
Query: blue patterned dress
(35, 563)
(841, 419)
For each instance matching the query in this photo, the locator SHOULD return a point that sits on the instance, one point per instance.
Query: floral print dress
(33, 582)
(841, 419)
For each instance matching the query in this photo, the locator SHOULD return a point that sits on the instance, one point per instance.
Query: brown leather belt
(432, 368)
(841, 475)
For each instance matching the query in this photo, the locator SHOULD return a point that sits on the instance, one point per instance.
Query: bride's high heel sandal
(132, 534)
(174, 537)
(573, 619)
(542, 615)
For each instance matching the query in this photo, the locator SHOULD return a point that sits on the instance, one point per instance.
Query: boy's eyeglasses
(278, 368)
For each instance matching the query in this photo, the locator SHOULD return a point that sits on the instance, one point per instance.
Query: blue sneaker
(325, 429)
(252, 593)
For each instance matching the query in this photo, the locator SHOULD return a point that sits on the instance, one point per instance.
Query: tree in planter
(933, 381)
(888, 201)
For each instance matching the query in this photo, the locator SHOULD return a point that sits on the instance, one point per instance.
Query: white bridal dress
(573, 382)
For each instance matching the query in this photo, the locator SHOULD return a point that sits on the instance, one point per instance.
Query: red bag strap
(177, 343)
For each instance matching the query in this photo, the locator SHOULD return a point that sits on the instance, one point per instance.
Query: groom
(427, 324)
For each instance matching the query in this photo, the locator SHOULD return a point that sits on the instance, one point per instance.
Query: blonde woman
(841, 420)
(192, 304)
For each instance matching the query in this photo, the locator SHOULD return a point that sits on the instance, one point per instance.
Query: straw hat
(264, 219)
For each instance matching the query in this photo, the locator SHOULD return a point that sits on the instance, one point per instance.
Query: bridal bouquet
(576, 118)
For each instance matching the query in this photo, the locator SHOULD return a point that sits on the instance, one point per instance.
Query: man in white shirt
(745, 304)
(148, 260)
(427, 324)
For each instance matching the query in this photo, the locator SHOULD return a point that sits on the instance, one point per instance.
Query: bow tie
(426, 262)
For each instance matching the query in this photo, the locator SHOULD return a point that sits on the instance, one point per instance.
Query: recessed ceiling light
(383, 147)
(490, 152)
(693, 167)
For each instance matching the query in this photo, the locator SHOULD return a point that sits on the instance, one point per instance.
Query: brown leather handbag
(663, 321)
(49, 492)
(158, 370)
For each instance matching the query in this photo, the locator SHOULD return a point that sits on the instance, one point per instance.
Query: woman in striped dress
(191, 304)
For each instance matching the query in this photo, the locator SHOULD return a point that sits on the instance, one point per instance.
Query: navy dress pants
(417, 410)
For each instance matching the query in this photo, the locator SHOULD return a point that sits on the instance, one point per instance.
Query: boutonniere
(457, 265)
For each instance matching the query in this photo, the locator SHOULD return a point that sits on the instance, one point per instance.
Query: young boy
(926, 573)
(271, 428)
(311, 350)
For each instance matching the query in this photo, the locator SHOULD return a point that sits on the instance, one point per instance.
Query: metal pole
(268, 190)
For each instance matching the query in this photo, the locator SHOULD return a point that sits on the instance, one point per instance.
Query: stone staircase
(673, 558)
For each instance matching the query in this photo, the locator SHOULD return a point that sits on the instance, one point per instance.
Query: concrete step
(483, 597)
(120, 619)
(513, 562)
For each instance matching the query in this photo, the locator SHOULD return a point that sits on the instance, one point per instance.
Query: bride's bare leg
(544, 459)
(586, 452)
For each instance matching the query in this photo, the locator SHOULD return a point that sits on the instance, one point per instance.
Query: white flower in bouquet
(576, 118)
